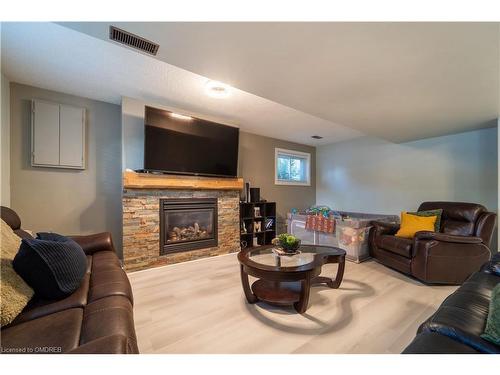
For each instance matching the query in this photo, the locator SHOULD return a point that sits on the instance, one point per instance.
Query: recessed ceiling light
(217, 89)
(179, 116)
(316, 136)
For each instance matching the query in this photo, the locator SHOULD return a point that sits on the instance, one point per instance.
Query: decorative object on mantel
(255, 195)
(286, 243)
(134, 180)
(247, 192)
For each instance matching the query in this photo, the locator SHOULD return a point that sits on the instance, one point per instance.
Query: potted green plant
(287, 242)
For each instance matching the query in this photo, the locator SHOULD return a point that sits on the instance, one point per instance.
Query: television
(180, 144)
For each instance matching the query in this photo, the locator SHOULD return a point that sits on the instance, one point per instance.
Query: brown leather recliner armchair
(447, 257)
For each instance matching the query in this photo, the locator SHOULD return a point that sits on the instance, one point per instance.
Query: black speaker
(247, 192)
(254, 194)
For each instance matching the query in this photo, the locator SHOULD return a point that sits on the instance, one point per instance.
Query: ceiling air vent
(134, 41)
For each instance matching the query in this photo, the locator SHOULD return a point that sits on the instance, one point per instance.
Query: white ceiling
(54, 57)
(398, 81)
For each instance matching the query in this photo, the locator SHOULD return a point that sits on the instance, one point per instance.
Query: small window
(292, 167)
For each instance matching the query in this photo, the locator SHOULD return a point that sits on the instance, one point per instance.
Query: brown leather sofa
(447, 257)
(456, 327)
(96, 318)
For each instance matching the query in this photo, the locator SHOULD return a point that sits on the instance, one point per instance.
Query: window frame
(292, 153)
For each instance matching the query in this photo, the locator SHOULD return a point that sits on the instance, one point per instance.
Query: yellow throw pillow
(411, 224)
(14, 292)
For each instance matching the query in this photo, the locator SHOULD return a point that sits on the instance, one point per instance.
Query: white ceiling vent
(132, 40)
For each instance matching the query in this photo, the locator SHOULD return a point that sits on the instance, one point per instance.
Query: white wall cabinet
(57, 135)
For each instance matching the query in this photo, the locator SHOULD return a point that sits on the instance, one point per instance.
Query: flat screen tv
(187, 145)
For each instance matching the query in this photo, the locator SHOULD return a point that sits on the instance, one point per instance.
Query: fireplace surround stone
(141, 226)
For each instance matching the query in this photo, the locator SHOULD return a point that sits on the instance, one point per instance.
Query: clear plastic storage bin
(350, 234)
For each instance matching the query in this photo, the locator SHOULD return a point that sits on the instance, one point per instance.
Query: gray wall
(63, 200)
(256, 166)
(5, 143)
(256, 158)
(372, 175)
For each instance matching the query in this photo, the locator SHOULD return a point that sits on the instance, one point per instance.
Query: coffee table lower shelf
(277, 292)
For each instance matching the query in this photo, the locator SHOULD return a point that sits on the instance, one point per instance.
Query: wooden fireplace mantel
(134, 180)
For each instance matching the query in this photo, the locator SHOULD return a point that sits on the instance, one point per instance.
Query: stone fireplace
(178, 219)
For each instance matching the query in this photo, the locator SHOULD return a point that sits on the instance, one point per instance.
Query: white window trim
(300, 154)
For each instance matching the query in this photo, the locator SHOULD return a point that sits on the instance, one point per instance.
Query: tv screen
(187, 145)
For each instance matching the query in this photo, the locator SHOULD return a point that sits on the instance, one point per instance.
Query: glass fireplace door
(187, 224)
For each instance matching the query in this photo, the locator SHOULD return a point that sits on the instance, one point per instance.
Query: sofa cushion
(11, 218)
(39, 307)
(411, 224)
(481, 283)
(51, 264)
(437, 213)
(398, 245)
(106, 282)
(105, 260)
(108, 316)
(462, 317)
(458, 218)
(463, 327)
(15, 293)
(58, 332)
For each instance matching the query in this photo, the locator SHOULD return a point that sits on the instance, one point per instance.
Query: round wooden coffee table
(287, 280)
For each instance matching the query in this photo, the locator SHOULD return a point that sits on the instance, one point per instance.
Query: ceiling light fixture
(217, 89)
(316, 136)
(179, 116)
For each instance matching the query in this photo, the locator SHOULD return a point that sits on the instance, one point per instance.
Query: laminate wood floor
(199, 307)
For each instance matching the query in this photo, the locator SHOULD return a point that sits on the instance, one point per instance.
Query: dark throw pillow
(53, 265)
(438, 213)
(492, 330)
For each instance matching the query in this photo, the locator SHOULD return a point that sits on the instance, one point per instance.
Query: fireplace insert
(187, 224)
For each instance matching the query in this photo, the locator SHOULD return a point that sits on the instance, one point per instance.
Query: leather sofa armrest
(485, 227)
(95, 242)
(382, 227)
(426, 235)
(115, 344)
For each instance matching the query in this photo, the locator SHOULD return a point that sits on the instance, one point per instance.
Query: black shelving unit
(248, 221)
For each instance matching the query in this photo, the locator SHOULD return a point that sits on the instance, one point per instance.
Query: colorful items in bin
(294, 211)
(320, 223)
(350, 236)
(319, 210)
